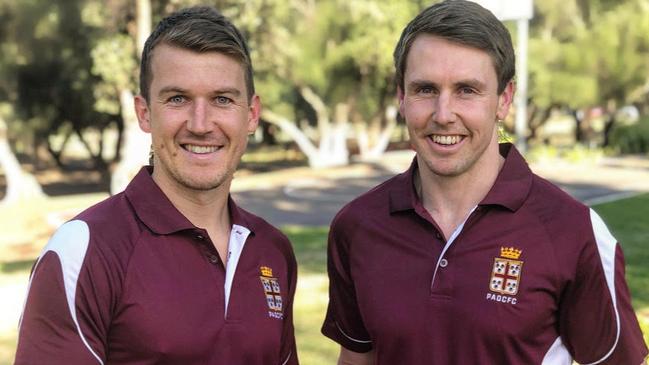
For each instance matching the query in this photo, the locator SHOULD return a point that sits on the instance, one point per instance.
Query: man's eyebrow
(474, 83)
(171, 89)
(228, 90)
(417, 84)
(234, 92)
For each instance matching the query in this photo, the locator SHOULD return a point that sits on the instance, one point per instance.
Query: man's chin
(203, 183)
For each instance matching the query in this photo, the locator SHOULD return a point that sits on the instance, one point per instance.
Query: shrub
(631, 138)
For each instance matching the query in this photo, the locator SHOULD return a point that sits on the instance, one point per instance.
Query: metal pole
(521, 86)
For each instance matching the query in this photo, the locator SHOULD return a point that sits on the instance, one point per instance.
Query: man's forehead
(168, 47)
(169, 56)
(434, 50)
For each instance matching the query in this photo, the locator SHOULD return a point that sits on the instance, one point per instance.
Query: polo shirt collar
(514, 181)
(510, 189)
(239, 216)
(403, 195)
(157, 212)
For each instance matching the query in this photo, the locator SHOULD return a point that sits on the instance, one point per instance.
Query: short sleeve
(66, 314)
(343, 322)
(597, 323)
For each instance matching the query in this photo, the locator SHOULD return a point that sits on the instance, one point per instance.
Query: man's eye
(222, 100)
(426, 90)
(177, 99)
(467, 90)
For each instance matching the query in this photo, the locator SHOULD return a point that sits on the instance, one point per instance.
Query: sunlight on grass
(627, 220)
(13, 286)
(29, 223)
(310, 244)
(7, 348)
(310, 306)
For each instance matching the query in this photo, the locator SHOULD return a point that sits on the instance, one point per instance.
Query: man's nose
(199, 121)
(444, 110)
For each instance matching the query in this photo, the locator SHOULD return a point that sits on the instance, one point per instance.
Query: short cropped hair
(199, 29)
(463, 22)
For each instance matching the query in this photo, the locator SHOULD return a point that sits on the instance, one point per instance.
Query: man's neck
(204, 208)
(449, 199)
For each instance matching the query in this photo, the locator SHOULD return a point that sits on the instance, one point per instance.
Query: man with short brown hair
(172, 271)
(468, 257)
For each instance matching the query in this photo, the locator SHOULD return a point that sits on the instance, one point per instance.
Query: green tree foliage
(324, 66)
(586, 54)
(55, 88)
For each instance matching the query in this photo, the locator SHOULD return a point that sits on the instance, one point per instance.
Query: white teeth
(446, 140)
(200, 149)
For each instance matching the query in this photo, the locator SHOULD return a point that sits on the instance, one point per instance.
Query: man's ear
(143, 114)
(505, 101)
(254, 112)
(400, 97)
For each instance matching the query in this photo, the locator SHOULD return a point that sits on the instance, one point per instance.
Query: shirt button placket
(211, 257)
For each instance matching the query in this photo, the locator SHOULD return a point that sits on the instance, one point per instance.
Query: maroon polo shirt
(132, 281)
(531, 277)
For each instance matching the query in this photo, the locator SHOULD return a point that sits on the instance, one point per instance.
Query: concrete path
(302, 196)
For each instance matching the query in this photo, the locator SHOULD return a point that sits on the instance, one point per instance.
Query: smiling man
(172, 271)
(468, 257)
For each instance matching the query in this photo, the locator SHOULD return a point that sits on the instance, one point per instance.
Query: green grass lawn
(627, 219)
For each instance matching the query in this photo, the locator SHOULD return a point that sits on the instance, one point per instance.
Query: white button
(443, 263)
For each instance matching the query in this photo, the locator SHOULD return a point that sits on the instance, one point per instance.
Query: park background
(329, 131)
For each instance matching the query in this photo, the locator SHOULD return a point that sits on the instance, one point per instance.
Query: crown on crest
(510, 252)
(266, 271)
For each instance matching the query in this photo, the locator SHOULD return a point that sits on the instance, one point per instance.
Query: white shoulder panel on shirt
(557, 354)
(70, 243)
(606, 245)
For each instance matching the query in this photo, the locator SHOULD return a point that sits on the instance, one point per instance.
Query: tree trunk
(20, 184)
(369, 151)
(579, 118)
(290, 128)
(135, 143)
(608, 127)
(325, 154)
(324, 124)
(56, 155)
(143, 23)
(135, 148)
(536, 118)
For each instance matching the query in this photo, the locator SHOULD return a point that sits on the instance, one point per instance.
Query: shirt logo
(506, 276)
(506, 273)
(272, 292)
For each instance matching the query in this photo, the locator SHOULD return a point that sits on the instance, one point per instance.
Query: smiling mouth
(446, 140)
(200, 149)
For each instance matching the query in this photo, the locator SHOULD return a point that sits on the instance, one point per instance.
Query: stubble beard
(210, 184)
(200, 183)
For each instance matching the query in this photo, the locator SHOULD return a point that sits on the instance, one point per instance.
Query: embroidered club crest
(506, 273)
(272, 292)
